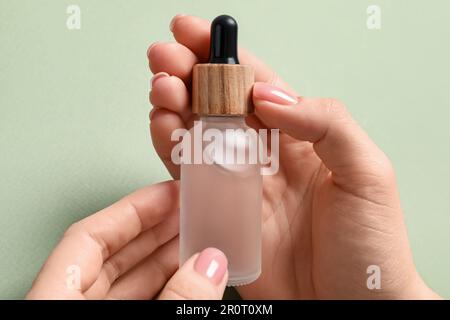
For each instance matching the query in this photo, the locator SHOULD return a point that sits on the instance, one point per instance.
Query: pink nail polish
(265, 91)
(212, 264)
(150, 116)
(150, 48)
(157, 76)
(172, 22)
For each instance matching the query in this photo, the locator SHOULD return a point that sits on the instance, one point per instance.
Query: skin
(330, 212)
(126, 251)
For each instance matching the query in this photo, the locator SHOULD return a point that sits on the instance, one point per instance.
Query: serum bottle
(221, 197)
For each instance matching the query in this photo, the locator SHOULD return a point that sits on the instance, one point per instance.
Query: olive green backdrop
(74, 106)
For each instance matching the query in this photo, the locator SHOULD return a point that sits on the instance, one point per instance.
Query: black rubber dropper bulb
(223, 47)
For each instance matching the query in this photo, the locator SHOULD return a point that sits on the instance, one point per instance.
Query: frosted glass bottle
(221, 203)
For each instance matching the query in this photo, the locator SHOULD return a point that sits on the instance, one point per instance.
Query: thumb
(203, 276)
(342, 145)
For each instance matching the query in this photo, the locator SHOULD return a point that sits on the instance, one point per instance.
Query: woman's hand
(331, 211)
(130, 251)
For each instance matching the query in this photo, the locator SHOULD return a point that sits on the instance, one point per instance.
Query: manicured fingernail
(265, 91)
(150, 116)
(212, 264)
(156, 77)
(172, 22)
(150, 48)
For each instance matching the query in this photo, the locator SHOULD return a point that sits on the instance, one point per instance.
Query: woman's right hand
(331, 212)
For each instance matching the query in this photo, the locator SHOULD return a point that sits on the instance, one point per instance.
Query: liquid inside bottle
(221, 200)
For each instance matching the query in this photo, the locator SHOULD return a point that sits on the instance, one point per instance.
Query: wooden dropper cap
(222, 87)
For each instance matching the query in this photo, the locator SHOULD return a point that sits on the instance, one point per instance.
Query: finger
(194, 33)
(91, 241)
(203, 276)
(341, 144)
(173, 58)
(171, 93)
(198, 42)
(162, 124)
(147, 278)
(133, 253)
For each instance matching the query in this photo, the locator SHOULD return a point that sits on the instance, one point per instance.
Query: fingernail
(212, 264)
(157, 76)
(268, 92)
(150, 48)
(150, 116)
(172, 22)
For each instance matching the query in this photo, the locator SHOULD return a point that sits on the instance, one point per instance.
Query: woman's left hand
(130, 251)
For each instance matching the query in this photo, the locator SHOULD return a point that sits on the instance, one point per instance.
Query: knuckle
(179, 292)
(383, 168)
(387, 167)
(113, 269)
(334, 106)
(74, 228)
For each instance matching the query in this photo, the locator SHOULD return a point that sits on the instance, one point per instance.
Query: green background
(74, 106)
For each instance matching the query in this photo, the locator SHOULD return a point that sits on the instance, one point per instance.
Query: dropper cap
(223, 44)
(222, 87)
